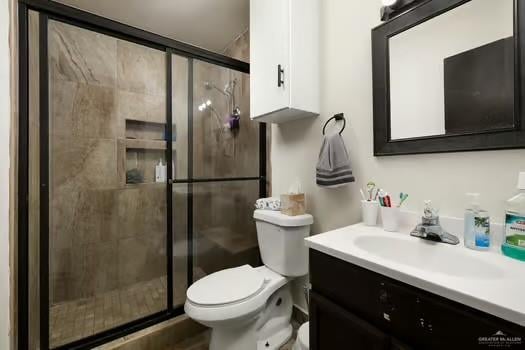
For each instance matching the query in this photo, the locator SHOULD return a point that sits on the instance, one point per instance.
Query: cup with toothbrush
(391, 212)
(369, 204)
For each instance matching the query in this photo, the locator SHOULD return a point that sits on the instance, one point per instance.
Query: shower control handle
(280, 76)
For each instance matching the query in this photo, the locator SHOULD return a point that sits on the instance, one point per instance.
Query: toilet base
(275, 341)
(272, 326)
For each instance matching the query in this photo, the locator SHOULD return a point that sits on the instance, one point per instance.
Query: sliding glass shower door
(107, 203)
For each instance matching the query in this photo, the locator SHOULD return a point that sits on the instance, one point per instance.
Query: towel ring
(337, 117)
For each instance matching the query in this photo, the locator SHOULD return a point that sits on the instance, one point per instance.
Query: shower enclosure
(140, 165)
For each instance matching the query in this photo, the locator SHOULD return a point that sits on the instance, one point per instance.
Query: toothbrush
(402, 198)
(362, 194)
(377, 194)
(370, 187)
(388, 202)
(382, 194)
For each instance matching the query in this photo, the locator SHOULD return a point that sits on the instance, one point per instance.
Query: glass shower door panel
(180, 243)
(108, 212)
(225, 140)
(224, 232)
(180, 136)
(180, 128)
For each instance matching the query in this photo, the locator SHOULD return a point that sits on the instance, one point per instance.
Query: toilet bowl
(249, 308)
(303, 337)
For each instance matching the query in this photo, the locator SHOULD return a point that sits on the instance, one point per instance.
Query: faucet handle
(429, 211)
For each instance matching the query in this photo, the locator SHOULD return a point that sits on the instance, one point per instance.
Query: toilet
(250, 308)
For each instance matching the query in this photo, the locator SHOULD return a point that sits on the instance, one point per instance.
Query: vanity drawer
(419, 318)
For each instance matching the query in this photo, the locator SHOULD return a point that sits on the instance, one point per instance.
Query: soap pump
(476, 225)
(470, 214)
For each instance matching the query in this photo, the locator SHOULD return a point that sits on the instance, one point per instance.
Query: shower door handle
(280, 76)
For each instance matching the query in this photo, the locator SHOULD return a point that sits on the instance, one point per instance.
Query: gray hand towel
(333, 168)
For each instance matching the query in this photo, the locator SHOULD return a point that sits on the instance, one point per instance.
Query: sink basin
(429, 256)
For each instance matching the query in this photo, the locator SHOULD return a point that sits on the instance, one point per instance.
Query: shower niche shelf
(138, 144)
(147, 130)
(140, 151)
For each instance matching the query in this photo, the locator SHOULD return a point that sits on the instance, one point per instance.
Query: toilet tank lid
(277, 218)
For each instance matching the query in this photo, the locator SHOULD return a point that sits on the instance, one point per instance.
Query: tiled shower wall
(224, 230)
(103, 235)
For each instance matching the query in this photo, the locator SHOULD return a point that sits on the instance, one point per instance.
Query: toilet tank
(281, 241)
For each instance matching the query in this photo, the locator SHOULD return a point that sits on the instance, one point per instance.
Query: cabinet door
(444, 324)
(332, 327)
(269, 45)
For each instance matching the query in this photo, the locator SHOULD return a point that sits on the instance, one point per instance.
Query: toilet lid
(226, 286)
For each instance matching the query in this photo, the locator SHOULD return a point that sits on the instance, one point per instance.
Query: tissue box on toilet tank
(293, 204)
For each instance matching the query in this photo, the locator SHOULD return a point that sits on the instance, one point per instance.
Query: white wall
(417, 94)
(346, 86)
(5, 117)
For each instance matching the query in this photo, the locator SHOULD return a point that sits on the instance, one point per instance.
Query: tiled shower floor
(78, 319)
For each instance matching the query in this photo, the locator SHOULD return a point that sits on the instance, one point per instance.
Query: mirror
(454, 74)
(446, 78)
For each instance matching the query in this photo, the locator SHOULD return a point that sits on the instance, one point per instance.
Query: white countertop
(487, 281)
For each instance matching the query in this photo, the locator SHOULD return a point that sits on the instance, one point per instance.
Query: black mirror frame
(491, 140)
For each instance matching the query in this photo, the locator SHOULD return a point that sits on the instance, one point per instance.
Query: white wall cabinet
(284, 60)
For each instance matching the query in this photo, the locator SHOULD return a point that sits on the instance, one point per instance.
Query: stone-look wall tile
(141, 69)
(89, 225)
(81, 55)
(82, 110)
(85, 163)
(81, 215)
(141, 258)
(89, 260)
(139, 106)
(227, 153)
(82, 205)
(225, 233)
(180, 70)
(61, 274)
(142, 211)
(34, 181)
(180, 243)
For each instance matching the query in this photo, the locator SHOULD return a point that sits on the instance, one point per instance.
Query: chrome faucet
(430, 228)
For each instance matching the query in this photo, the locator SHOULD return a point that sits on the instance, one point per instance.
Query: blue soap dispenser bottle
(471, 212)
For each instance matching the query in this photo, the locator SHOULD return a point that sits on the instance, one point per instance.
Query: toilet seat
(252, 301)
(226, 286)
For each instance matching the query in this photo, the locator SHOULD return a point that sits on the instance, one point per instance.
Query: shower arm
(229, 95)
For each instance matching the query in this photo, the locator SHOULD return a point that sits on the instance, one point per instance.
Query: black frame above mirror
(489, 140)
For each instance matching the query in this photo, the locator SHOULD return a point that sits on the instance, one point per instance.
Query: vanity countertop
(487, 281)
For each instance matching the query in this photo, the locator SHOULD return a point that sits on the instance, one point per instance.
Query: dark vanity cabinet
(355, 308)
